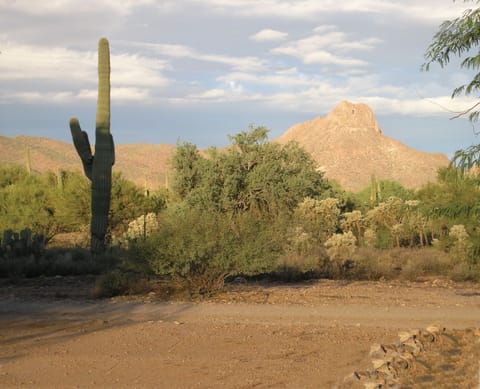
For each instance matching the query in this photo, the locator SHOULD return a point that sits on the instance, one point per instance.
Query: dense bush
(251, 175)
(56, 203)
(203, 247)
(235, 211)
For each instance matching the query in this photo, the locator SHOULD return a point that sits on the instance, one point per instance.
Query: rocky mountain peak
(354, 117)
(349, 147)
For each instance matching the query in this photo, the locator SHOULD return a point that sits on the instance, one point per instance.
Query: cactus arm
(82, 145)
(113, 149)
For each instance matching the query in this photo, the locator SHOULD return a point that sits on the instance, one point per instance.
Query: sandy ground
(252, 336)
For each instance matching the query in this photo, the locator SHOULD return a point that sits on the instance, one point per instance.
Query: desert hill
(349, 146)
(137, 162)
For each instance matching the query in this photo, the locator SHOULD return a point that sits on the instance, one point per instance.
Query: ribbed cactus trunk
(98, 167)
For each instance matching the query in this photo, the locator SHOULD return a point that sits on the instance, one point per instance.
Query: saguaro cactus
(98, 167)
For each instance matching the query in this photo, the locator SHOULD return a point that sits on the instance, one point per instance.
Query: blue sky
(198, 70)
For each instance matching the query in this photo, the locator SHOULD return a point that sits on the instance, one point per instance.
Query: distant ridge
(139, 163)
(349, 146)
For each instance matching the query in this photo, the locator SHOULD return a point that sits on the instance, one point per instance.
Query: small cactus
(26, 240)
(98, 167)
(22, 244)
(7, 242)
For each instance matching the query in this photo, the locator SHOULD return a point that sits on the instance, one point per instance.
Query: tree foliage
(129, 201)
(53, 203)
(459, 38)
(251, 175)
(27, 202)
(235, 210)
(383, 189)
(454, 199)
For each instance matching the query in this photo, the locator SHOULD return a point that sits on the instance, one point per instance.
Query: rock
(349, 147)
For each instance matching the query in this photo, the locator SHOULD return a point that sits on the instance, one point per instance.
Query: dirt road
(252, 336)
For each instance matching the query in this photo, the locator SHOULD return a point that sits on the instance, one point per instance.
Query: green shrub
(192, 244)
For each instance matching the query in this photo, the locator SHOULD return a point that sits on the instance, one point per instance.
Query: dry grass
(409, 264)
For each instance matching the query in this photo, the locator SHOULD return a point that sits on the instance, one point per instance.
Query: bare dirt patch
(308, 335)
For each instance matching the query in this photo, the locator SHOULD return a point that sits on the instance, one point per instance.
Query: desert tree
(460, 38)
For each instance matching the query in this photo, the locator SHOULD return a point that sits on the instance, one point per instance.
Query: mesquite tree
(460, 38)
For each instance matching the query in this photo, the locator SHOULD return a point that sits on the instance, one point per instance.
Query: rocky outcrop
(349, 147)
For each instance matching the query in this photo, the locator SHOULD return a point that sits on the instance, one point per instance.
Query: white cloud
(324, 28)
(319, 100)
(319, 48)
(119, 95)
(26, 62)
(134, 70)
(210, 94)
(124, 94)
(59, 7)
(268, 35)
(291, 90)
(242, 63)
(42, 97)
(325, 58)
(280, 79)
(429, 11)
(433, 106)
(131, 77)
(231, 91)
(88, 94)
(37, 97)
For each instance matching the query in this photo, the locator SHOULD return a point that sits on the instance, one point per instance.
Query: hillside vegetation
(255, 209)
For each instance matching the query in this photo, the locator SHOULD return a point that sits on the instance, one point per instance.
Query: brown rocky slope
(347, 144)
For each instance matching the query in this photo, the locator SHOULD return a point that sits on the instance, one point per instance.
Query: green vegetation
(259, 208)
(232, 212)
(460, 38)
(254, 209)
(98, 167)
(50, 205)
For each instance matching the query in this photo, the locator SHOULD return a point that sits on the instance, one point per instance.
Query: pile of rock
(429, 358)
